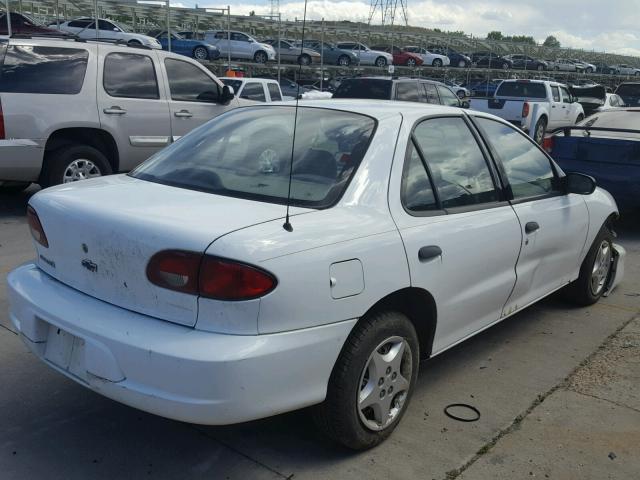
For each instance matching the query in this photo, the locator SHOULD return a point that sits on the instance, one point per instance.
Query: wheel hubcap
(80, 169)
(200, 54)
(384, 383)
(601, 267)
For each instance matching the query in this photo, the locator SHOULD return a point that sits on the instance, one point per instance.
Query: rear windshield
(377, 89)
(522, 89)
(34, 69)
(246, 153)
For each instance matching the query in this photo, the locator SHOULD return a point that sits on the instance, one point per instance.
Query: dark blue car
(606, 146)
(482, 88)
(197, 49)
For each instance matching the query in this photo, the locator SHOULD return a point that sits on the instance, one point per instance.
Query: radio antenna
(287, 224)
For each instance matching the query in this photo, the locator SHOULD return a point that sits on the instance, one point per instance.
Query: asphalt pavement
(558, 389)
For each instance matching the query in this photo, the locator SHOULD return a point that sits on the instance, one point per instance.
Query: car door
(240, 46)
(556, 112)
(108, 30)
(569, 109)
(194, 96)
(461, 237)
(554, 225)
(131, 103)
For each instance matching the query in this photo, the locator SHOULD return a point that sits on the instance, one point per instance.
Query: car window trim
(502, 201)
(155, 75)
(407, 158)
(501, 170)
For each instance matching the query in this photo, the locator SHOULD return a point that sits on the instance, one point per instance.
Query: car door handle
(184, 114)
(553, 106)
(531, 227)
(427, 253)
(115, 110)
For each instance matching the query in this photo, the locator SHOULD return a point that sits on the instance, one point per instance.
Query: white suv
(75, 109)
(240, 45)
(107, 30)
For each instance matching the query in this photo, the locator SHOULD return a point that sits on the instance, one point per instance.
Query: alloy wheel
(601, 268)
(344, 61)
(200, 53)
(384, 383)
(80, 169)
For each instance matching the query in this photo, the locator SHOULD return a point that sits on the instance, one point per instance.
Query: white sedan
(85, 27)
(180, 289)
(433, 59)
(366, 56)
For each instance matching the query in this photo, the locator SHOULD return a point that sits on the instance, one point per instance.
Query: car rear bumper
(167, 369)
(20, 160)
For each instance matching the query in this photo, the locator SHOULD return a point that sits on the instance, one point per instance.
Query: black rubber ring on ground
(462, 419)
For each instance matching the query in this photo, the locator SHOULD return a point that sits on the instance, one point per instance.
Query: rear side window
(528, 170)
(253, 91)
(130, 75)
(431, 93)
(458, 168)
(48, 70)
(522, 89)
(375, 89)
(274, 91)
(407, 91)
(187, 83)
(555, 91)
(416, 191)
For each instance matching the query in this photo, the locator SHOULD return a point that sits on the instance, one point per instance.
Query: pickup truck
(532, 105)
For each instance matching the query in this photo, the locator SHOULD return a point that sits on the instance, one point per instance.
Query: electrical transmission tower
(275, 8)
(388, 10)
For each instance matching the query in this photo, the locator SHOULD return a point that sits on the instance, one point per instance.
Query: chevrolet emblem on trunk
(89, 265)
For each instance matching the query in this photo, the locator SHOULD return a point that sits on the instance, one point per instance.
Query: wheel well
(543, 117)
(96, 138)
(419, 306)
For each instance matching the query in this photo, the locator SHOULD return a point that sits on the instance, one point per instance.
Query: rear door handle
(531, 227)
(184, 114)
(115, 110)
(427, 253)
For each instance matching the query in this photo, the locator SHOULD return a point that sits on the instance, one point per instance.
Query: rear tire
(594, 272)
(540, 130)
(378, 364)
(72, 163)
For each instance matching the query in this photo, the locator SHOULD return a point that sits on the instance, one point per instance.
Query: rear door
(556, 112)
(553, 224)
(569, 113)
(461, 238)
(132, 104)
(194, 96)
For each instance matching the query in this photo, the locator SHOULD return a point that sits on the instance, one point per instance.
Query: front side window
(239, 37)
(80, 23)
(104, 25)
(253, 91)
(566, 96)
(527, 168)
(187, 83)
(416, 191)
(556, 94)
(448, 97)
(47, 70)
(246, 153)
(274, 92)
(458, 167)
(130, 75)
(407, 91)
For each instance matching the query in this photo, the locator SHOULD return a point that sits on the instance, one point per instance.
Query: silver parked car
(240, 45)
(288, 52)
(75, 110)
(85, 27)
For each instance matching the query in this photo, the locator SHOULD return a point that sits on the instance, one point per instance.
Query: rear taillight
(208, 276)
(2, 135)
(525, 109)
(548, 144)
(37, 232)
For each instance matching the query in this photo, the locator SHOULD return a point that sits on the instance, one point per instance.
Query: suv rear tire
(72, 163)
(372, 381)
(539, 130)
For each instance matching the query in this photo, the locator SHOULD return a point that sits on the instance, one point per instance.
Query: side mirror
(227, 95)
(579, 183)
(465, 104)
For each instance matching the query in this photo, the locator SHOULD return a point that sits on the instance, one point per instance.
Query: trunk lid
(103, 232)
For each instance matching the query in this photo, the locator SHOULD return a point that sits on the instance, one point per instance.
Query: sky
(611, 26)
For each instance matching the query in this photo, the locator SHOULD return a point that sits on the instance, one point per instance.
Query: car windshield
(246, 153)
(377, 89)
(522, 89)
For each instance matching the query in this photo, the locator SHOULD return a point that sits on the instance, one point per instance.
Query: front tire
(411, 62)
(594, 272)
(436, 63)
(74, 163)
(372, 381)
(381, 62)
(462, 64)
(260, 57)
(200, 53)
(344, 61)
(304, 60)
